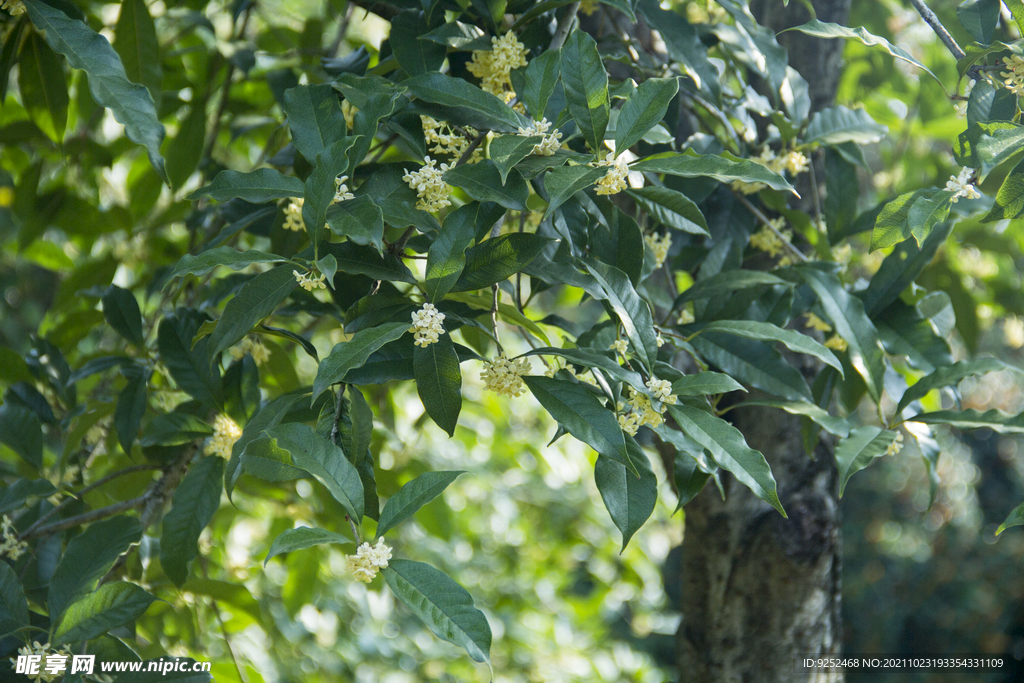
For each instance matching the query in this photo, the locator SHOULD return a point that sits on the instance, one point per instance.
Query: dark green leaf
(174, 429)
(1009, 202)
(443, 605)
(836, 125)
(268, 417)
(301, 538)
(791, 339)
(900, 268)
(730, 450)
(633, 312)
(353, 353)
(645, 107)
(20, 429)
(562, 183)
(671, 208)
(458, 35)
(535, 84)
(320, 185)
(88, 557)
(996, 148)
(130, 103)
(684, 45)
(255, 301)
(591, 359)
(726, 282)
(979, 18)
(858, 450)
(447, 254)
(497, 259)
(483, 182)
(13, 604)
(108, 607)
(950, 376)
(325, 461)
(582, 415)
(131, 406)
(189, 365)
(629, 499)
(586, 87)
(439, 382)
(995, 420)
(508, 150)
(725, 168)
(465, 103)
(833, 425)
(412, 496)
(186, 149)
(315, 119)
(43, 87)
(136, 42)
(360, 260)
(360, 220)
(1015, 518)
(206, 262)
(259, 186)
(414, 55)
(121, 311)
(703, 383)
(194, 503)
(753, 363)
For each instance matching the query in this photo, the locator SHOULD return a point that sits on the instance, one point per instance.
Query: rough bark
(755, 589)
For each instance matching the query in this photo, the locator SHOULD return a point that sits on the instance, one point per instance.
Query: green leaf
(725, 168)
(136, 42)
(447, 254)
(13, 603)
(301, 538)
(320, 186)
(836, 125)
(689, 477)
(629, 499)
(315, 119)
(508, 150)
(632, 311)
(439, 382)
(995, 420)
(950, 376)
(206, 262)
(996, 148)
(833, 425)
(189, 365)
(360, 260)
(753, 363)
(562, 183)
(186, 149)
(465, 103)
(259, 186)
(1015, 518)
(586, 87)
(130, 103)
(131, 406)
(443, 605)
(671, 208)
(579, 412)
(268, 417)
(535, 84)
(858, 450)
(979, 18)
(727, 282)
(396, 199)
(893, 223)
(89, 556)
(174, 429)
(497, 259)
(194, 503)
(1009, 202)
(483, 182)
(900, 268)
(684, 45)
(414, 55)
(110, 606)
(43, 87)
(645, 107)
(704, 383)
(14, 496)
(21, 431)
(353, 353)
(360, 220)
(325, 461)
(852, 324)
(825, 29)
(595, 360)
(256, 300)
(121, 311)
(926, 213)
(791, 339)
(458, 35)
(730, 450)
(412, 496)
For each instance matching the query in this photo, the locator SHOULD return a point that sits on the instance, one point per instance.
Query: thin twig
(399, 246)
(940, 30)
(564, 26)
(86, 517)
(472, 148)
(355, 529)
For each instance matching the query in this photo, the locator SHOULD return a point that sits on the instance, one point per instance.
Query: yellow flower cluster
(642, 411)
(368, 560)
(349, 112)
(493, 66)
(660, 247)
(341, 192)
(549, 145)
(1014, 78)
(43, 651)
(836, 343)
(225, 433)
(896, 446)
(11, 547)
(816, 323)
(685, 317)
(505, 376)
(447, 141)
(14, 7)
(293, 216)
(561, 364)
(614, 181)
(252, 346)
(792, 161)
(429, 184)
(427, 324)
(308, 281)
(768, 241)
(620, 346)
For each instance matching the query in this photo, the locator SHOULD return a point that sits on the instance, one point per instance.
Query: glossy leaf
(950, 376)
(110, 606)
(207, 261)
(267, 418)
(301, 538)
(629, 499)
(121, 311)
(42, 86)
(703, 383)
(315, 119)
(836, 125)
(189, 364)
(13, 603)
(412, 496)
(791, 339)
(1009, 202)
(353, 353)
(633, 312)
(447, 254)
(483, 182)
(325, 461)
(131, 406)
(135, 40)
(535, 84)
(562, 183)
(465, 103)
(859, 450)
(1015, 518)
(644, 108)
(497, 259)
(586, 87)
(670, 208)
(726, 282)
(995, 420)
(439, 382)
(320, 186)
(414, 55)
(21, 430)
(360, 220)
(259, 186)
(508, 150)
(724, 168)
(754, 363)
(192, 508)
(256, 300)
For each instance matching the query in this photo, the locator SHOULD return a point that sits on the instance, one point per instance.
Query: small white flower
(662, 390)
(225, 433)
(427, 324)
(429, 184)
(368, 560)
(308, 281)
(505, 376)
(13, 7)
(293, 216)
(614, 181)
(341, 192)
(660, 246)
(11, 547)
(252, 346)
(549, 145)
(960, 185)
(620, 346)
(896, 446)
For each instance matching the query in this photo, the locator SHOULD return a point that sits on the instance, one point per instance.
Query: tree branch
(564, 26)
(86, 517)
(940, 30)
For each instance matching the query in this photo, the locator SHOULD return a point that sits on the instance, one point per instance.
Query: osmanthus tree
(650, 232)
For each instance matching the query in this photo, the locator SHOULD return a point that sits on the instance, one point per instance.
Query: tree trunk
(757, 590)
